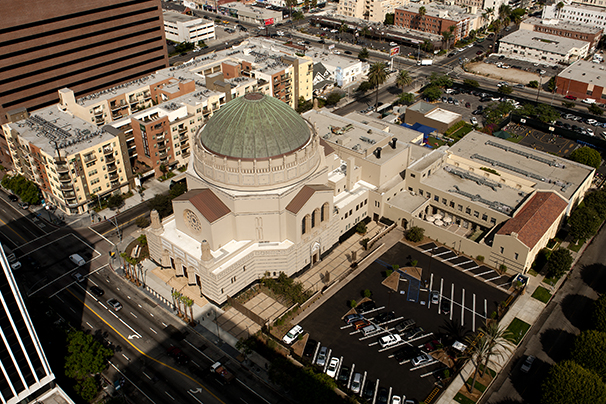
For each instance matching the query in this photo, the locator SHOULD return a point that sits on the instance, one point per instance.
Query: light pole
(540, 84)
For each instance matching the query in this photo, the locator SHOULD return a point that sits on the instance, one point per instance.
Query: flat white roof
(544, 42)
(444, 116)
(586, 72)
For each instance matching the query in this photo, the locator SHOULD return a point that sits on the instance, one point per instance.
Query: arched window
(324, 212)
(313, 219)
(303, 229)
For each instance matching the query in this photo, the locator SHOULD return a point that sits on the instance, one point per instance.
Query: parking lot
(546, 142)
(467, 294)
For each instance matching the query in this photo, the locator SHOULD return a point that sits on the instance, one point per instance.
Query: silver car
(321, 360)
(356, 383)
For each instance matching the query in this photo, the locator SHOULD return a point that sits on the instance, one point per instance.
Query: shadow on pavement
(594, 276)
(557, 343)
(528, 385)
(577, 309)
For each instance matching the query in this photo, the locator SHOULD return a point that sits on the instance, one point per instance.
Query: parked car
(588, 101)
(344, 374)
(525, 368)
(292, 335)
(332, 367)
(432, 345)
(369, 390)
(78, 277)
(361, 324)
(351, 318)
(382, 395)
(571, 97)
(473, 120)
(310, 348)
(445, 306)
(434, 296)
(114, 304)
(356, 383)
(97, 290)
(405, 325)
(407, 352)
(13, 198)
(384, 317)
(15, 265)
(396, 400)
(415, 332)
(321, 359)
(23, 205)
(366, 307)
(421, 360)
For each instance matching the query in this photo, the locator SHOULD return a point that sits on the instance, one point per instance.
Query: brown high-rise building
(86, 45)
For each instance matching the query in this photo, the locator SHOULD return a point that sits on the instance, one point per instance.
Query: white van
(370, 329)
(77, 259)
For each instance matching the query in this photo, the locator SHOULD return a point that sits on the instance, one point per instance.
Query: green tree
(343, 28)
(477, 351)
(551, 84)
(568, 382)
(415, 234)
(517, 14)
(304, 105)
(499, 340)
(547, 113)
(590, 351)
(114, 201)
(162, 203)
(377, 76)
(406, 98)
(471, 83)
(598, 314)
(27, 190)
(594, 109)
(597, 201)
(568, 104)
(297, 16)
(314, 3)
(586, 155)
(365, 32)
(87, 388)
(505, 90)
(446, 35)
(440, 80)
(389, 18)
(496, 26)
(559, 263)
(432, 93)
(333, 98)
(422, 11)
(363, 54)
(584, 222)
(533, 84)
(363, 87)
(403, 79)
(86, 356)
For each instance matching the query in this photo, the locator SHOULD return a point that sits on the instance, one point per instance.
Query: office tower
(86, 45)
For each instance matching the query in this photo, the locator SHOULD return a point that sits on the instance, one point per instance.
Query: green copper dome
(255, 126)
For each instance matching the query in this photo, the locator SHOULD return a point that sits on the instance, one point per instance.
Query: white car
(473, 120)
(588, 101)
(336, 52)
(16, 265)
(396, 400)
(389, 340)
(333, 31)
(590, 131)
(421, 360)
(393, 44)
(292, 335)
(332, 367)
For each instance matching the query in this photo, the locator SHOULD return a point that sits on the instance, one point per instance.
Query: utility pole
(114, 221)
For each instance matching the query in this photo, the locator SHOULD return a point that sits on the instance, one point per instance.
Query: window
(484, 216)
(412, 175)
(468, 211)
(420, 192)
(516, 255)
(460, 208)
(476, 213)
(502, 250)
(436, 198)
(452, 204)
(313, 220)
(303, 226)
(493, 220)
(409, 188)
(429, 195)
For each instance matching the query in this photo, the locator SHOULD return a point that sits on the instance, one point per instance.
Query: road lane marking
(154, 331)
(133, 314)
(89, 325)
(166, 392)
(14, 231)
(101, 235)
(194, 397)
(131, 382)
(473, 317)
(146, 355)
(126, 357)
(146, 375)
(463, 308)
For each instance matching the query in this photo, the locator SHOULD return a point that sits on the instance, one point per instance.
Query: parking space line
(429, 373)
(492, 279)
(485, 309)
(423, 366)
(451, 299)
(442, 253)
(462, 263)
(473, 317)
(351, 373)
(484, 273)
(363, 383)
(469, 269)
(430, 288)
(327, 360)
(441, 287)
(451, 258)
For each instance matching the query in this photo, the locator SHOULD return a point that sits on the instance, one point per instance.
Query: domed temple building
(273, 191)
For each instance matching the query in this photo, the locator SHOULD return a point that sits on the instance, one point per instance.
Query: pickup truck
(222, 373)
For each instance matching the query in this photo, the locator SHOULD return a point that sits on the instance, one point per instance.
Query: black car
(415, 332)
(366, 307)
(407, 352)
(382, 395)
(13, 198)
(344, 374)
(405, 325)
(347, 52)
(485, 99)
(384, 317)
(97, 290)
(369, 390)
(567, 125)
(480, 108)
(310, 348)
(559, 123)
(445, 306)
(321, 41)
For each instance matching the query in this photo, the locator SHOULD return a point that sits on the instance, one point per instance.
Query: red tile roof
(327, 148)
(206, 202)
(535, 217)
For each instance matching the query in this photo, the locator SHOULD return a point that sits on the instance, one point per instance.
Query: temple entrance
(315, 253)
(404, 223)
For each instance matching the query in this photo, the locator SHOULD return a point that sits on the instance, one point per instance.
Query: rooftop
(535, 217)
(51, 129)
(544, 42)
(452, 13)
(422, 107)
(250, 11)
(562, 24)
(172, 16)
(542, 170)
(444, 116)
(206, 202)
(586, 72)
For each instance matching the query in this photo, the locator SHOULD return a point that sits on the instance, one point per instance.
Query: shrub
(414, 263)
(361, 228)
(388, 272)
(415, 234)
(352, 303)
(364, 242)
(480, 258)
(503, 268)
(367, 293)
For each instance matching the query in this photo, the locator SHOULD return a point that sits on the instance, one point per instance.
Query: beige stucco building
(272, 191)
(369, 10)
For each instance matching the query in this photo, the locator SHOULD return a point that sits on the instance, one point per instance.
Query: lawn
(465, 129)
(433, 142)
(515, 138)
(542, 294)
(551, 281)
(518, 328)
(576, 247)
(478, 386)
(460, 398)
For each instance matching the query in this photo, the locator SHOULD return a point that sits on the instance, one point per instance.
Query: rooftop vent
(393, 142)
(377, 152)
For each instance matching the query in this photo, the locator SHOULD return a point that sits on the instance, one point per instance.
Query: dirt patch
(511, 75)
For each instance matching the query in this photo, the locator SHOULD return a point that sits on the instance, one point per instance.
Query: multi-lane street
(141, 332)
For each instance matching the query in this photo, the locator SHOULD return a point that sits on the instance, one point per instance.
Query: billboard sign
(332, 46)
(395, 51)
(269, 21)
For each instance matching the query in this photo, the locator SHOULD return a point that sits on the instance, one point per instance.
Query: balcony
(160, 137)
(185, 154)
(99, 120)
(114, 177)
(108, 150)
(67, 187)
(97, 112)
(65, 178)
(111, 168)
(90, 158)
(182, 131)
(110, 158)
(69, 194)
(162, 154)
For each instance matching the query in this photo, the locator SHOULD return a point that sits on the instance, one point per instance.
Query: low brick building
(583, 80)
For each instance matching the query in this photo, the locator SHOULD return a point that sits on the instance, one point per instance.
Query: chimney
(393, 142)
(377, 152)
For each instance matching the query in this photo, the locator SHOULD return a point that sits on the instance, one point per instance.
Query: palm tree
(477, 349)
(504, 11)
(177, 298)
(343, 28)
(499, 339)
(488, 14)
(190, 303)
(422, 12)
(446, 35)
(559, 8)
(403, 79)
(377, 76)
(365, 31)
(496, 24)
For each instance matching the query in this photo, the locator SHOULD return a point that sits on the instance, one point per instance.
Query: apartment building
(369, 10)
(184, 28)
(85, 45)
(438, 18)
(583, 80)
(251, 15)
(578, 13)
(68, 158)
(566, 29)
(542, 48)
